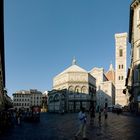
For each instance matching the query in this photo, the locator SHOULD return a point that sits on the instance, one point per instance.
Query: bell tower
(120, 67)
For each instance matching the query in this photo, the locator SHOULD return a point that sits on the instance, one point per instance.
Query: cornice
(70, 82)
(135, 3)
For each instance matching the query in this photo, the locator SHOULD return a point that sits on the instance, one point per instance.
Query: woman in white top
(82, 129)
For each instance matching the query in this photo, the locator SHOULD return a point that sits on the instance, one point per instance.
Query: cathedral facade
(105, 88)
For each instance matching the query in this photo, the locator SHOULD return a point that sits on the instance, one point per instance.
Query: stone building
(2, 62)
(24, 99)
(120, 70)
(133, 76)
(105, 89)
(44, 102)
(5, 101)
(72, 88)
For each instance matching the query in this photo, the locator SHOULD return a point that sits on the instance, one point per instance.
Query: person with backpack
(92, 114)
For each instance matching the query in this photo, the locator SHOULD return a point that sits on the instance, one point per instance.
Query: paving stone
(63, 127)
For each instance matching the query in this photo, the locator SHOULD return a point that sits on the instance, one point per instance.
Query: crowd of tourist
(13, 117)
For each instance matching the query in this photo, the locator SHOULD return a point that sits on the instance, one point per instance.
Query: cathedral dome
(110, 74)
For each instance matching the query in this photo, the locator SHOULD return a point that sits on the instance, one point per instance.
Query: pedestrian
(92, 114)
(105, 113)
(83, 119)
(18, 115)
(99, 118)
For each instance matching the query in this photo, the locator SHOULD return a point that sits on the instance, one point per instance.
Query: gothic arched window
(121, 52)
(56, 97)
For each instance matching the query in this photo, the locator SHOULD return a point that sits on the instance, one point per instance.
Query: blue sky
(42, 37)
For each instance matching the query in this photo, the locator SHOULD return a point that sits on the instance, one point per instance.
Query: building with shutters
(24, 99)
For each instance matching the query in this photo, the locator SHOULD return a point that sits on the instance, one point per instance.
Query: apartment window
(122, 66)
(138, 17)
(137, 74)
(138, 52)
(120, 52)
(119, 78)
(119, 67)
(122, 78)
(139, 14)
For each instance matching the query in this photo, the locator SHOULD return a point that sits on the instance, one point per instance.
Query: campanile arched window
(121, 52)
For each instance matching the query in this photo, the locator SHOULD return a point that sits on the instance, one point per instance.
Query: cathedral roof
(73, 68)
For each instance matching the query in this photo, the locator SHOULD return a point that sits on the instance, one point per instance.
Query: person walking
(82, 129)
(92, 114)
(105, 113)
(18, 116)
(99, 118)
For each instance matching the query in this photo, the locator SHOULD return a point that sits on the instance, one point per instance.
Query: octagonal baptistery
(79, 84)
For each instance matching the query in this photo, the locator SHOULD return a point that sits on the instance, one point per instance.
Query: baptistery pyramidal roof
(73, 68)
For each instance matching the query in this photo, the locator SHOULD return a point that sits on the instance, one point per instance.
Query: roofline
(131, 19)
(96, 68)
